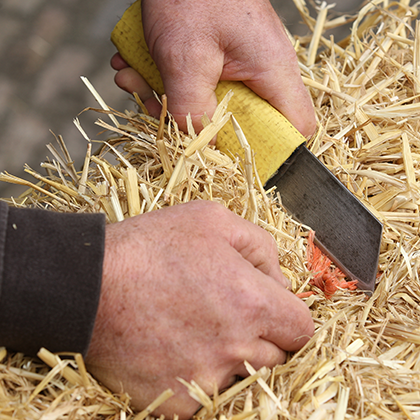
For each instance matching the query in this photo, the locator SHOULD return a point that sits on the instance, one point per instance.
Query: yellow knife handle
(272, 137)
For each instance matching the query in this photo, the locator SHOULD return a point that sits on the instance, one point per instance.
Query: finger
(261, 353)
(181, 403)
(131, 81)
(190, 97)
(190, 82)
(288, 322)
(259, 248)
(117, 62)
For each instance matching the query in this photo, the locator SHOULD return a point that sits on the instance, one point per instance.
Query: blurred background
(45, 46)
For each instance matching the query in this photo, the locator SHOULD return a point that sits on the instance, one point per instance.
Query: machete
(344, 228)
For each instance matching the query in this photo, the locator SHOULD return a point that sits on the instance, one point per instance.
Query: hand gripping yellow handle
(272, 137)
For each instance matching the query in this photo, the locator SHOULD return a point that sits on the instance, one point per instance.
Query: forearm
(51, 279)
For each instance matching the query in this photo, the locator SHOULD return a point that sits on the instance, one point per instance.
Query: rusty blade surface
(344, 228)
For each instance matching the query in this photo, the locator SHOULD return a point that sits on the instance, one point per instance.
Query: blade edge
(344, 228)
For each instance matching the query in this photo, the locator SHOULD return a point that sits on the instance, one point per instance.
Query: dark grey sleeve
(50, 279)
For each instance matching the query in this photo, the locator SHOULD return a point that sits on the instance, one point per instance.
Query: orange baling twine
(326, 278)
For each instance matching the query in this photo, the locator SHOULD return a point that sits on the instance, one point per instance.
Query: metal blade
(344, 228)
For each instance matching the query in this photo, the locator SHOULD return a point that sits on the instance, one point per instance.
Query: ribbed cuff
(4, 211)
(51, 280)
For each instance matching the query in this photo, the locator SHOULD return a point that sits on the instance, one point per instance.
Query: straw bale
(364, 359)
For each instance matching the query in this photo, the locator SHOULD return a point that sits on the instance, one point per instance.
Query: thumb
(283, 88)
(288, 96)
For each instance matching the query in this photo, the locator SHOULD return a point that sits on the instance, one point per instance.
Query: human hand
(196, 43)
(191, 291)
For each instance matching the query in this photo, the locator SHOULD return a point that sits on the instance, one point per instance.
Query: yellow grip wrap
(272, 137)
